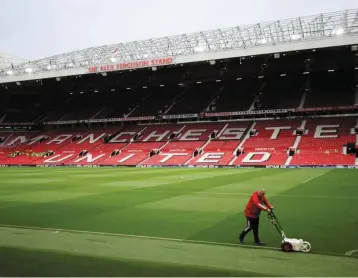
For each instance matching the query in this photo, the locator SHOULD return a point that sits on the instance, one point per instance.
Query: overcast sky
(35, 29)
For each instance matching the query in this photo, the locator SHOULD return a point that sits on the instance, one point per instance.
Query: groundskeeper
(256, 204)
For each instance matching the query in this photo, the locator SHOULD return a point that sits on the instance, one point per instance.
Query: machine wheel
(306, 247)
(286, 247)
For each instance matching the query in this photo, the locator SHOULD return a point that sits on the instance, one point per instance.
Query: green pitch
(173, 222)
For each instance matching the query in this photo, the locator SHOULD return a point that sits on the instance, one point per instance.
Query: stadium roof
(7, 61)
(309, 32)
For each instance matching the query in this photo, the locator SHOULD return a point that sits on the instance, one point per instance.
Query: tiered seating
(196, 98)
(261, 158)
(324, 141)
(159, 99)
(124, 159)
(87, 143)
(220, 151)
(321, 144)
(158, 132)
(150, 138)
(57, 142)
(331, 89)
(175, 153)
(180, 149)
(109, 147)
(323, 159)
(265, 139)
(14, 142)
(271, 141)
(277, 89)
(237, 95)
(216, 153)
(203, 130)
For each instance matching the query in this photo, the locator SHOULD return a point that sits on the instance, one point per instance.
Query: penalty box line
(55, 231)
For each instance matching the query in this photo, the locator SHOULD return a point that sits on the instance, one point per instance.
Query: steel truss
(343, 23)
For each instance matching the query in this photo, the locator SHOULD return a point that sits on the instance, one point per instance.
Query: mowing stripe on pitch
(53, 230)
(249, 194)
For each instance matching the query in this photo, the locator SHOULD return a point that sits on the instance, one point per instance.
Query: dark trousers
(252, 224)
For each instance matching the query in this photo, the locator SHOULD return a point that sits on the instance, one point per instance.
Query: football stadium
(138, 159)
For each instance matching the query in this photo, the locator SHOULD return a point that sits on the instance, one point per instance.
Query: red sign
(132, 65)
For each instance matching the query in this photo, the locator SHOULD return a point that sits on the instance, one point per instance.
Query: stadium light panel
(338, 31)
(145, 87)
(306, 72)
(218, 80)
(263, 41)
(48, 67)
(295, 37)
(113, 60)
(113, 90)
(239, 78)
(128, 88)
(199, 49)
(198, 82)
(161, 85)
(356, 68)
(283, 74)
(331, 70)
(260, 77)
(9, 72)
(28, 70)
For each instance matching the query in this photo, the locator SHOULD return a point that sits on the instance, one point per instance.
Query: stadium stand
(290, 108)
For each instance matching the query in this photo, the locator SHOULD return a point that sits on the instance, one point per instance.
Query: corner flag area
(174, 222)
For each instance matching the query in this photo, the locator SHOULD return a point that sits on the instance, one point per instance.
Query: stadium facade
(277, 94)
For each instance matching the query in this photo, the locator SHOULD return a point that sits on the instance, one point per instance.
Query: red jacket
(254, 206)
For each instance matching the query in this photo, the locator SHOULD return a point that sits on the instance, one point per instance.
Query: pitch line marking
(314, 177)
(56, 231)
(349, 253)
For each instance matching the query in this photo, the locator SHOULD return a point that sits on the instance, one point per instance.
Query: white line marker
(350, 253)
(52, 230)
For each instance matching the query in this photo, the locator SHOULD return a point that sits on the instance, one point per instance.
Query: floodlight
(199, 49)
(295, 37)
(338, 31)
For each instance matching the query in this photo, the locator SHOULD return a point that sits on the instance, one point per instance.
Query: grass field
(173, 222)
